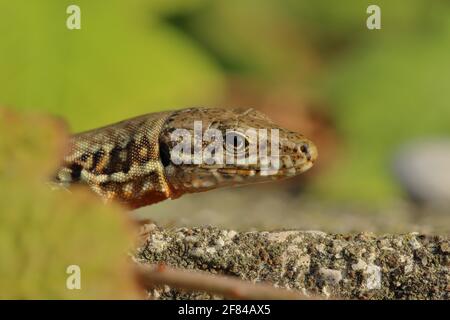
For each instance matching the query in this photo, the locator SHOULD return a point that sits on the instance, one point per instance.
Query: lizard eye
(235, 141)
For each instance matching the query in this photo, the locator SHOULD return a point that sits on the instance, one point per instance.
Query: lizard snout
(308, 150)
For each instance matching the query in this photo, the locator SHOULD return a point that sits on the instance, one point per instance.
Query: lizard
(133, 162)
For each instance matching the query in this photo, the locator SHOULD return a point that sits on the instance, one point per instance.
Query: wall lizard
(130, 161)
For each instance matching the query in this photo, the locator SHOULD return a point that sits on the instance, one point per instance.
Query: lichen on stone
(357, 266)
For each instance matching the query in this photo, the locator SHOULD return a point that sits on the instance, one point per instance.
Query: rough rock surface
(361, 266)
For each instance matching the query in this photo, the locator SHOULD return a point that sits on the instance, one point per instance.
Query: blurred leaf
(42, 232)
(255, 36)
(390, 92)
(331, 25)
(175, 6)
(122, 62)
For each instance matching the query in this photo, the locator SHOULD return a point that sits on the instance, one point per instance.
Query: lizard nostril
(304, 148)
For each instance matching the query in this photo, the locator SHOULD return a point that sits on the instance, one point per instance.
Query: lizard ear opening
(164, 154)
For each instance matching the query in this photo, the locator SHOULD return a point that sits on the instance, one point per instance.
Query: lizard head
(203, 149)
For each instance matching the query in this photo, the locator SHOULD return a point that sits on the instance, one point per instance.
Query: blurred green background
(311, 65)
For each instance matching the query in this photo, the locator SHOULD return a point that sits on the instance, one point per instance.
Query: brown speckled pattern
(120, 161)
(123, 161)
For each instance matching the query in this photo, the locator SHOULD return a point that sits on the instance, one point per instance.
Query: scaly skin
(132, 161)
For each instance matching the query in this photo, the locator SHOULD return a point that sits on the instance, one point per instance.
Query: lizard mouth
(287, 171)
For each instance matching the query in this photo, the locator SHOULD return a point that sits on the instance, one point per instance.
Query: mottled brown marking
(123, 162)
